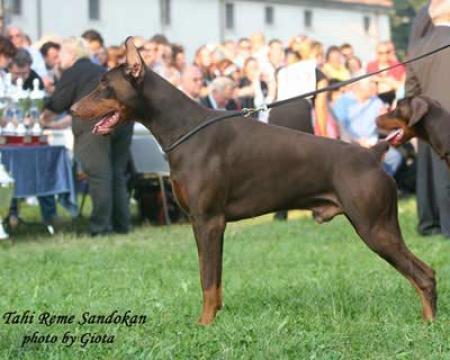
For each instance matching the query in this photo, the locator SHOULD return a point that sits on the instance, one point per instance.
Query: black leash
(250, 111)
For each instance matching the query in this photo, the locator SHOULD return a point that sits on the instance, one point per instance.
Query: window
(366, 23)
(16, 7)
(229, 16)
(307, 19)
(269, 15)
(94, 9)
(165, 12)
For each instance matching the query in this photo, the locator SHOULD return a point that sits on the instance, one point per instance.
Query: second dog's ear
(135, 64)
(419, 107)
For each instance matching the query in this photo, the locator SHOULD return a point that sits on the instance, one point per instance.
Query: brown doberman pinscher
(421, 117)
(240, 168)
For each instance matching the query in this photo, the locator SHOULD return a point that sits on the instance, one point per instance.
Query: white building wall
(28, 19)
(384, 27)
(196, 22)
(69, 18)
(348, 26)
(249, 18)
(192, 22)
(331, 26)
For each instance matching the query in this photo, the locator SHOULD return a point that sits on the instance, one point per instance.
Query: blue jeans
(47, 205)
(48, 208)
(392, 161)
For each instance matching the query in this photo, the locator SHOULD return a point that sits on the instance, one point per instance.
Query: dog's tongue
(101, 128)
(395, 137)
(106, 125)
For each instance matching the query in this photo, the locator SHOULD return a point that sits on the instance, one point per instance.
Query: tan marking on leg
(428, 312)
(210, 301)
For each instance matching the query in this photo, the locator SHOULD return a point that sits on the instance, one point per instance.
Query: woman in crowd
(317, 53)
(291, 56)
(202, 60)
(334, 67)
(169, 71)
(7, 52)
(354, 66)
(252, 89)
(178, 57)
(229, 69)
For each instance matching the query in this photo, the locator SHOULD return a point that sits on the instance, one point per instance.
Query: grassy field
(292, 290)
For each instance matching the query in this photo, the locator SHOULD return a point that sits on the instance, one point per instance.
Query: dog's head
(116, 97)
(403, 122)
(422, 117)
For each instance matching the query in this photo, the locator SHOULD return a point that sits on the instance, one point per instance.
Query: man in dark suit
(431, 77)
(420, 27)
(103, 159)
(220, 95)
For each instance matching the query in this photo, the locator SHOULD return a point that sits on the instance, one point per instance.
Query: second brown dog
(421, 117)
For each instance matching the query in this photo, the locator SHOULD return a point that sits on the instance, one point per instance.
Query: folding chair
(149, 162)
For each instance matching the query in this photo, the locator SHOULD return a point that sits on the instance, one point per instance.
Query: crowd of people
(245, 73)
(230, 75)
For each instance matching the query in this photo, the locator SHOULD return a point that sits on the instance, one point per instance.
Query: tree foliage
(401, 19)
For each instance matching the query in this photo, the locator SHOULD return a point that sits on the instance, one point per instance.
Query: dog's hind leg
(209, 236)
(389, 245)
(377, 224)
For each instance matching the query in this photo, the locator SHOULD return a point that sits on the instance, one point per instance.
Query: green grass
(292, 290)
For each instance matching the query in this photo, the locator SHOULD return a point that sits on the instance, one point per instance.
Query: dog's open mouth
(395, 138)
(107, 124)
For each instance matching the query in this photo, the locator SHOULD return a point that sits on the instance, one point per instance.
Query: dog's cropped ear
(135, 64)
(419, 107)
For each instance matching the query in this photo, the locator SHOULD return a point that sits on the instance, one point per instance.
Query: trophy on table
(21, 110)
(36, 107)
(21, 100)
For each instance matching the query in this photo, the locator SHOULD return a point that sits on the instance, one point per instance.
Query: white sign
(296, 79)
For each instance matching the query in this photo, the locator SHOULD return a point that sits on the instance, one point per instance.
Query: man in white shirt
(192, 82)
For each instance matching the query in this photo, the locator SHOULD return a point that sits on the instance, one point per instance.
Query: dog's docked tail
(379, 149)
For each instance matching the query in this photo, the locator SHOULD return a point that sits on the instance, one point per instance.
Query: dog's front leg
(208, 233)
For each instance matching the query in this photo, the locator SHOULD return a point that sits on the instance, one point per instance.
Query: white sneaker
(3, 234)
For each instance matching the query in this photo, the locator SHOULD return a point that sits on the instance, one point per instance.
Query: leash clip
(246, 112)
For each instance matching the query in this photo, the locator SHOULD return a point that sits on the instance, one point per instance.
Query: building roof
(383, 3)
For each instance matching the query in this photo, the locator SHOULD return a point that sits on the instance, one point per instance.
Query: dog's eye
(103, 82)
(108, 92)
